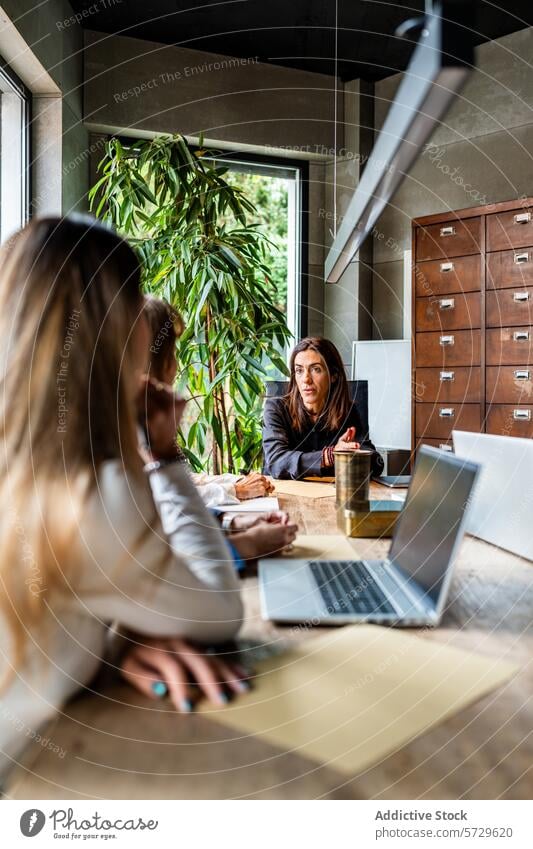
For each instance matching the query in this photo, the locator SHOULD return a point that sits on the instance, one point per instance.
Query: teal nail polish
(186, 705)
(223, 698)
(159, 688)
(244, 686)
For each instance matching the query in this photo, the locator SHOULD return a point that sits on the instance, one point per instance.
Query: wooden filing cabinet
(473, 323)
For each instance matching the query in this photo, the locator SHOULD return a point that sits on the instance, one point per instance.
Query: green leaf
(253, 362)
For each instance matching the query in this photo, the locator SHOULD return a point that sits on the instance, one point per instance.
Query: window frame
(302, 274)
(14, 84)
(302, 247)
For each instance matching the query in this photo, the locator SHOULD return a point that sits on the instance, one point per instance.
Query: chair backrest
(358, 393)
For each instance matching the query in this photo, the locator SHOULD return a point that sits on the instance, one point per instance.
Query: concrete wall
(151, 88)
(160, 88)
(348, 303)
(49, 59)
(483, 153)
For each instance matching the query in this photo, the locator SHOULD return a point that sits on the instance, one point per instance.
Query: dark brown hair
(338, 402)
(166, 326)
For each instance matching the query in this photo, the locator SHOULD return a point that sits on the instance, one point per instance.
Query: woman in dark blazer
(316, 416)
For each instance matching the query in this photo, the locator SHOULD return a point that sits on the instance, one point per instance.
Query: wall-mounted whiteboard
(387, 367)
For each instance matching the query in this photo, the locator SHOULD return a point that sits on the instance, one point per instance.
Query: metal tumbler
(352, 479)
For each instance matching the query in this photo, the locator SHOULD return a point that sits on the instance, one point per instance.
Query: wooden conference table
(121, 745)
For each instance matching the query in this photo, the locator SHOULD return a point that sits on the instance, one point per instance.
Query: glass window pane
(13, 157)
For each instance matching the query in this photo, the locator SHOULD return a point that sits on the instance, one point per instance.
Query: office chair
(358, 393)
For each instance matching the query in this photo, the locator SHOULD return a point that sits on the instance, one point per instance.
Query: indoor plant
(198, 250)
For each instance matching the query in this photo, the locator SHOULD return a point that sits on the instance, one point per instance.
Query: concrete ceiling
(293, 33)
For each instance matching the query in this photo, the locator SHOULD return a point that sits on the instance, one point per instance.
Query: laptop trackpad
(289, 592)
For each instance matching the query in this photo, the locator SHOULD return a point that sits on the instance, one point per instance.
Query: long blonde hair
(69, 298)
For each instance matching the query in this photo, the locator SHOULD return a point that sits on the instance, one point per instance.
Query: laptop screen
(430, 523)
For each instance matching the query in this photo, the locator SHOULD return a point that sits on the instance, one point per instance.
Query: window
(276, 192)
(15, 104)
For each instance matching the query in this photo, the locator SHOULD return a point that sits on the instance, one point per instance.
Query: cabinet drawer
(449, 239)
(459, 385)
(457, 348)
(509, 306)
(509, 346)
(507, 269)
(510, 385)
(438, 420)
(510, 420)
(438, 277)
(450, 312)
(509, 230)
(443, 444)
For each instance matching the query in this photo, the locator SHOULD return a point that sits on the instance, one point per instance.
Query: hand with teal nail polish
(182, 669)
(159, 688)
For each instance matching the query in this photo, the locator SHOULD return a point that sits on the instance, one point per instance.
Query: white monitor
(502, 501)
(386, 365)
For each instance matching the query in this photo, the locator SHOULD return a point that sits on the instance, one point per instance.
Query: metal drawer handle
(522, 218)
(447, 375)
(444, 447)
(521, 335)
(522, 415)
(446, 266)
(447, 303)
(446, 413)
(447, 340)
(520, 296)
(521, 374)
(520, 258)
(447, 231)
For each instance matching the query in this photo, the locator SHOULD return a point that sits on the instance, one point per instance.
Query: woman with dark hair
(302, 429)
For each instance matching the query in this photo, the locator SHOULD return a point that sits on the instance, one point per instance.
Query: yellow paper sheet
(304, 489)
(355, 695)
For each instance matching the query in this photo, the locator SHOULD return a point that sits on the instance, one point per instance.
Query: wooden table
(122, 745)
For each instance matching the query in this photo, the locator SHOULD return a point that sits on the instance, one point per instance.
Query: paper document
(252, 505)
(323, 547)
(304, 489)
(357, 694)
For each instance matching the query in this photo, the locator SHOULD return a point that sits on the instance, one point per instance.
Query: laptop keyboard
(347, 586)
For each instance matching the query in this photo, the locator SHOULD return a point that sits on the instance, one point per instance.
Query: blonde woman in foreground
(83, 541)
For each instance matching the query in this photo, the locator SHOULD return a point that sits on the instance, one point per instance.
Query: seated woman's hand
(253, 485)
(243, 521)
(264, 539)
(347, 441)
(158, 666)
(160, 410)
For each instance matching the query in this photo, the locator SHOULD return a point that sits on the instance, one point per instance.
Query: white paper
(252, 505)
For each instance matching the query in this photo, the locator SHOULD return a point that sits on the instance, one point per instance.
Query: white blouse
(216, 489)
(166, 573)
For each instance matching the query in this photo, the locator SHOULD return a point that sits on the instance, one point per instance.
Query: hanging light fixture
(439, 67)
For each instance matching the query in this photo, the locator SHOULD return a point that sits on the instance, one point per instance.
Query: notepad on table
(304, 489)
(252, 505)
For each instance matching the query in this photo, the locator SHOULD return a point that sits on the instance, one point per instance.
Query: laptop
(502, 501)
(393, 481)
(410, 586)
